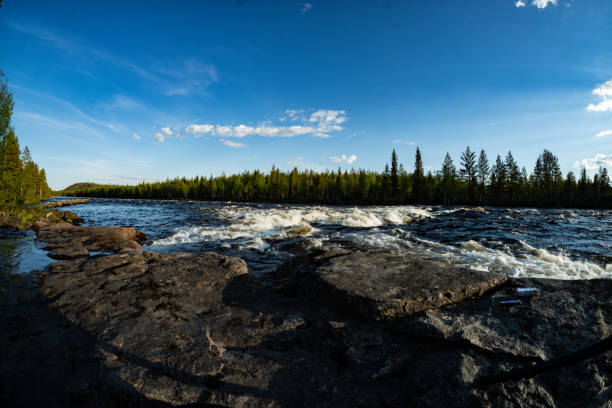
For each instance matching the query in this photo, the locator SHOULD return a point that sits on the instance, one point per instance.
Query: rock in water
(66, 241)
(381, 285)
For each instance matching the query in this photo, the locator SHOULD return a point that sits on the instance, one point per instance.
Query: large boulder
(381, 285)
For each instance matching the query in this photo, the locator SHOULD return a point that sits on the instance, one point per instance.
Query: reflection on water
(19, 252)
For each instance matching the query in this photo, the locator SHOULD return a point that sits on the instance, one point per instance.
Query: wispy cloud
(399, 141)
(604, 91)
(136, 136)
(68, 127)
(166, 131)
(305, 7)
(159, 137)
(343, 159)
(121, 102)
(604, 133)
(593, 163)
(70, 108)
(185, 77)
(319, 124)
(230, 143)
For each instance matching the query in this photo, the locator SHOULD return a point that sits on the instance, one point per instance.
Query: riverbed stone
(66, 241)
(381, 285)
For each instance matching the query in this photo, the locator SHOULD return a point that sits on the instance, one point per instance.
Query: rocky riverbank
(111, 325)
(39, 215)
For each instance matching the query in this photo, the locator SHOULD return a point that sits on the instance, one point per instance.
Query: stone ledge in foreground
(381, 285)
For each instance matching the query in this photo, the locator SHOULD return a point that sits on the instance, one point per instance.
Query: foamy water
(560, 244)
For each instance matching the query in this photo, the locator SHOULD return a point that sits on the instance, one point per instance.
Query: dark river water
(563, 244)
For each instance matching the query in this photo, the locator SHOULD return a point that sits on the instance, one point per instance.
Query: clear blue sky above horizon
(123, 92)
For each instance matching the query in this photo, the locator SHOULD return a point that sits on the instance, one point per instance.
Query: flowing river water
(520, 242)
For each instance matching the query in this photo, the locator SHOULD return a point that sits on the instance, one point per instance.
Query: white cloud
(544, 3)
(243, 130)
(199, 130)
(136, 136)
(328, 119)
(159, 137)
(603, 106)
(605, 92)
(519, 3)
(343, 159)
(593, 163)
(283, 131)
(167, 131)
(293, 115)
(225, 131)
(318, 124)
(306, 7)
(231, 144)
(604, 133)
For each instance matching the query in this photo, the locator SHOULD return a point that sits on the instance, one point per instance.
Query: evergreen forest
(21, 181)
(475, 181)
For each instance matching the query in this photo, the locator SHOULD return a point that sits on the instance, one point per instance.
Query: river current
(520, 242)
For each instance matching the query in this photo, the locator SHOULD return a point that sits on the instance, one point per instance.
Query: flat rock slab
(382, 285)
(66, 241)
(195, 329)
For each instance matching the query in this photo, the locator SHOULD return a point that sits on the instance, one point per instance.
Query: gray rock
(146, 329)
(66, 241)
(381, 285)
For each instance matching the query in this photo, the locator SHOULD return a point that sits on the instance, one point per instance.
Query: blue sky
(120, 93)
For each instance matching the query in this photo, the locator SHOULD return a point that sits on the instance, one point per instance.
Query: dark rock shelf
(331, 328)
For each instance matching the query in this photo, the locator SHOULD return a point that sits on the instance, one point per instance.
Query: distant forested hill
(80, 186)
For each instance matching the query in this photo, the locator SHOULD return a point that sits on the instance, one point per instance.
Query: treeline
(476, 182)
(21, 181)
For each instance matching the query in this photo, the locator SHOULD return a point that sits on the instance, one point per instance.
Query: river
(520, 242)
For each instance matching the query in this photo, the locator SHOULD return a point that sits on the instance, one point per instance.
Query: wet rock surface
(66, 241)
(381, 285)
(146, 329)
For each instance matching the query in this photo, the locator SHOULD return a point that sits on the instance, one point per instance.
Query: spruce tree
(10, 172)
(482, 172)
(394, 176)
(449, 174)
(418, 178)
(468, 171)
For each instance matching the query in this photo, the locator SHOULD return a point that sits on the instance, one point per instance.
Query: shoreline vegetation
(475, 182)
(22, 183)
